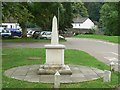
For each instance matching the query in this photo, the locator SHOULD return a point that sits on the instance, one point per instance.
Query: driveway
(103, 51)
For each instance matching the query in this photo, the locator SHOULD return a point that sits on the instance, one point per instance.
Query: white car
(45, 34)
(48, 35)
(5, 33)
(33, 34)
(30, 33)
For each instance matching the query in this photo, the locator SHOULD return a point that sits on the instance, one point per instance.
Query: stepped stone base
(51, 70)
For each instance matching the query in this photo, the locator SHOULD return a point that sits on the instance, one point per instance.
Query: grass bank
(13, 57)
(114, 39)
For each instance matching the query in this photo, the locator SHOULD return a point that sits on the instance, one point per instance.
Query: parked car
(30, 33)
(45, 35)
(5, 33)
(48, 35)
(33, 34)
(15, 32)
(36, 34)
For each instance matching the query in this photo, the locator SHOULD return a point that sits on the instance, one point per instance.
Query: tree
(44, 12)
(93, 10)
(79, 9)
(19, 12)
(109, 18)
(41, 13)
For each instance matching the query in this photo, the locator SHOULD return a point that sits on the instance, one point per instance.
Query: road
(103, 51)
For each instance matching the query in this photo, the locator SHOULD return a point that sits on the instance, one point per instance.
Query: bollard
(107, 76)
(112, 64)
(57, 80)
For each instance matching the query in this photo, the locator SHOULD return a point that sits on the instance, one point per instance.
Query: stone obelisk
(54, 55)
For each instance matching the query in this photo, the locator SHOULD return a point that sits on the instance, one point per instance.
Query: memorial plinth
(54, 55)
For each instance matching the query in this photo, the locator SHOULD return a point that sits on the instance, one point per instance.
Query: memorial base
(52, 69)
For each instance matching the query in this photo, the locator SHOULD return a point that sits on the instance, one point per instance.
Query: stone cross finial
(54, 38)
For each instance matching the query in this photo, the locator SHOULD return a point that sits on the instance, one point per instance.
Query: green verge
(13, 57)
(27, 40)
(24, 40)
(114, 39)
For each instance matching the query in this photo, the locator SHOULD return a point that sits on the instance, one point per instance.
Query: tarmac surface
(106, 52)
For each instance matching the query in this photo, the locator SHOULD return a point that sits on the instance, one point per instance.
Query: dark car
(15, 32)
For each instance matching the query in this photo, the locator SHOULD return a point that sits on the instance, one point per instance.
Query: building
(11, 26)
(82, 25)
(14, 28)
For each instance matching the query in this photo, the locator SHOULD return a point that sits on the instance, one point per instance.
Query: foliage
(18, 12)
(44, 13)
(41, 13)
(79, 9)
(109, 18)
(92, 31)
(114, 39)
(93, 10)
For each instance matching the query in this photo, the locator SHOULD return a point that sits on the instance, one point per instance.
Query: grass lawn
(114, 39)
(26, 40)
(14, 57)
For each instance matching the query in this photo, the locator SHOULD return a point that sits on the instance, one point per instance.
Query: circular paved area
(79, 74)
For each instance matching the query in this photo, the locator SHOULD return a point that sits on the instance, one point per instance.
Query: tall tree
(109, 18)
(79, 9)
(93, 10)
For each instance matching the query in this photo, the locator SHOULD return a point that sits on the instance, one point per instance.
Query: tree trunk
(24, 32)
(24, 29)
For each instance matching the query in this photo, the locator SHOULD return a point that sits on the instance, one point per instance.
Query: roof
(79, 19)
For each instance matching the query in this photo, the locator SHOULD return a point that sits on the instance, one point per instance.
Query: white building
(11, 26)
(83, 24)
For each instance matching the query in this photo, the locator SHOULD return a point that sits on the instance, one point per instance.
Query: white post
(57, 80)
(112, 64)
(107, 76)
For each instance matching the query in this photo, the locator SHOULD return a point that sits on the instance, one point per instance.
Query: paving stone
(20, 72)
(32, 72)
(98, 72)
(32, 78)
(47, 78)
(79, 74)
(91, 77)
(9, 72)
(65, 79)
(19, 77)
(78, 79)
